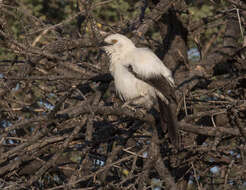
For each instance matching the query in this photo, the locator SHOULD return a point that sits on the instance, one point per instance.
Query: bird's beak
(103, 45)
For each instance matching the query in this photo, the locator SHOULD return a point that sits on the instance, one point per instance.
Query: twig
(240, 23)
(227, 173)
(196, 177)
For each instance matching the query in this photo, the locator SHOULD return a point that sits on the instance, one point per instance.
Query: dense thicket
(63, 127)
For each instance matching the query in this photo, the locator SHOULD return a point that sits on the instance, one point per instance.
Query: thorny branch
(63, 127)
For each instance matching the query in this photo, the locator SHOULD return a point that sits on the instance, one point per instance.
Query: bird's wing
(153, 75)
(146, 66)
(146, 63)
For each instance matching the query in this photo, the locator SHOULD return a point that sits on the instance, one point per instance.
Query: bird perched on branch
(142, 79)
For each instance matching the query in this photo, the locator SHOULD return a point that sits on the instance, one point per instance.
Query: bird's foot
(135, 108)
(126, 105)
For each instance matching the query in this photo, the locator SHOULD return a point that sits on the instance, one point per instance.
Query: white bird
(142, 79)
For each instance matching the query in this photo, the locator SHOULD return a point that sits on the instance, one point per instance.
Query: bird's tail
(168, 120)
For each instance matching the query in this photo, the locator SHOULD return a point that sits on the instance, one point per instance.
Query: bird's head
(117, 43)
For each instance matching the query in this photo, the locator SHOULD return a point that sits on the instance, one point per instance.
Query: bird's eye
(129, 67)
(114, 41)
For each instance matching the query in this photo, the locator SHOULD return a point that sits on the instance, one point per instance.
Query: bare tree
(62, 125)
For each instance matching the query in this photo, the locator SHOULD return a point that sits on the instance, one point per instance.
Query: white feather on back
(147, 64)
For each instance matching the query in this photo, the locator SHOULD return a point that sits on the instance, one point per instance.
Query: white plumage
(144, 64)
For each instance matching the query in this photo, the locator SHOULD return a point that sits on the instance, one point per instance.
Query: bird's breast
(129, 87)
(126, 84)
